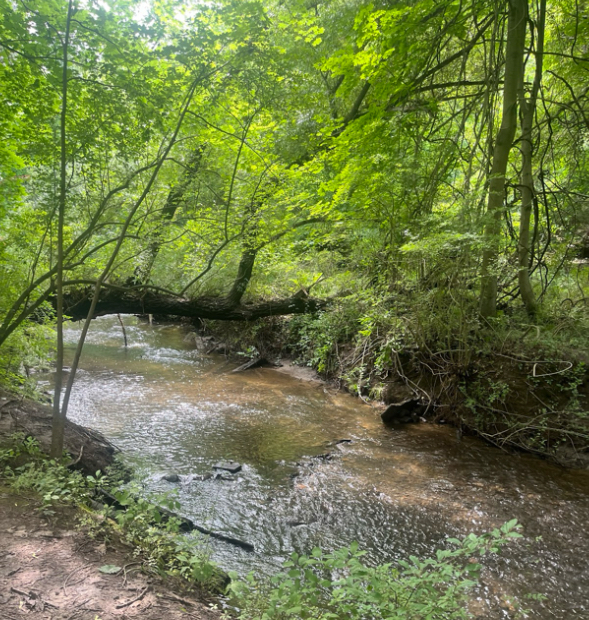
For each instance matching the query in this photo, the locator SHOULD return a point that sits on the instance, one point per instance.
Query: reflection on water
(396, 491)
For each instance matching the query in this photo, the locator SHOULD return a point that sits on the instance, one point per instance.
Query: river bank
(51, 570)
(397, 491)
(517, 395)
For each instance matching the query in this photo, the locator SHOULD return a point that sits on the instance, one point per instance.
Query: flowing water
(398, 492)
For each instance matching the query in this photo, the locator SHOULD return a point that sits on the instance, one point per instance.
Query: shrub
(338, 585)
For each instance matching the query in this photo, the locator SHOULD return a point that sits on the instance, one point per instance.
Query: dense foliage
(417, 169)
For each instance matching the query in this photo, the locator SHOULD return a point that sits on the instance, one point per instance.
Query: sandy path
(49, 571)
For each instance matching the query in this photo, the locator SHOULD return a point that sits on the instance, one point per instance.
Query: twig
(175, 597)
(549, 374)
(125, 570)
(74, 463)
(35, 597)
(137, 598)
(123, 328)
(78, 609)
(75, 570)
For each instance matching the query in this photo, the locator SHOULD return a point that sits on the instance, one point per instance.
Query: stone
(171, 478)
(406, 412)
(327, 456)
(219, 476)
(396, 392)
(229, 466)
(203, 477)
(297, 523)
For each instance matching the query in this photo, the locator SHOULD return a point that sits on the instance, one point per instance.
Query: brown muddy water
(398, 492)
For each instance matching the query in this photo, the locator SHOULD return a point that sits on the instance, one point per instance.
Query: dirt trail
(50, 571)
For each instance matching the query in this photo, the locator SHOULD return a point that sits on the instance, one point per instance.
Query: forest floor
(49, 570)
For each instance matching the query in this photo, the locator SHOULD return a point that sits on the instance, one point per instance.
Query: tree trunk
(527, 198)
(528, 109)
(137, 302)
(244, 274)
(176, 198)
(514, 62)
(58, 413)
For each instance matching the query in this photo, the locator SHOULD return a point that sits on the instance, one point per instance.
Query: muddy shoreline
(558, 438)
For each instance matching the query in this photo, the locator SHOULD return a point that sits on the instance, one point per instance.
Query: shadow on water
(397, 492)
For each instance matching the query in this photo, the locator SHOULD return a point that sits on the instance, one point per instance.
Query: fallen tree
(141, 300)
(90, 450)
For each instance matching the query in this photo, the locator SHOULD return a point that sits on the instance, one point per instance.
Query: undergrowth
(517, 382)
(138, 522)
(320, 586)
(338, 585)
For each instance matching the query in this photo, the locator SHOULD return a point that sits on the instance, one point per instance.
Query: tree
(528, 111)
(221, 161)
(514, 57)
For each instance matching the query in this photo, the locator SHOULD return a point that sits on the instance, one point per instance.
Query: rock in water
(171, 478)
(407, 412)
(203, 477)
(229, 466)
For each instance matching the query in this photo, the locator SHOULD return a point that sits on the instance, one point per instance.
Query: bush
(139, 522)
(338, 585)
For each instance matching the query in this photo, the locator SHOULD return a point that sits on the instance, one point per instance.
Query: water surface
(173, 409)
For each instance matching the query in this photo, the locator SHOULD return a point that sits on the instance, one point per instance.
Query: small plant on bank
(138, 522)
(338, 585)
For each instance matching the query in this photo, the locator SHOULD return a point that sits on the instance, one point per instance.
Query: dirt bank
(51, 571)
(518, 400)
(91, 450)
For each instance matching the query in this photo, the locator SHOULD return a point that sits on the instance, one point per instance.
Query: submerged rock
(327, 456)
(196, 477)
(230, 466)
(407, 412)
(297, 523)
(171, 478)
(219, 476)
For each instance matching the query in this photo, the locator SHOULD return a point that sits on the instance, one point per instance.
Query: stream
(171, 408)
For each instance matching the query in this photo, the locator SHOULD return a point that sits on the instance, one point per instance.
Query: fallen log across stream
(90, 449)
(136, 300)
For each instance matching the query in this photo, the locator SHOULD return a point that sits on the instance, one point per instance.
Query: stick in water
(123, 328)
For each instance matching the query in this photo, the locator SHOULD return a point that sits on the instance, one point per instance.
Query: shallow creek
(173, 409)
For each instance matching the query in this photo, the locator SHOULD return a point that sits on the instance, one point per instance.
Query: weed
(330, 586)
(138, 522)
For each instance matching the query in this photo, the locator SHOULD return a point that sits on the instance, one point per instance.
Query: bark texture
(514, 62)
(528, 194)
(137, 302)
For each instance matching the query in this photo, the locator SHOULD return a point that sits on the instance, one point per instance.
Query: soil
(50, 571)
(92, 450)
